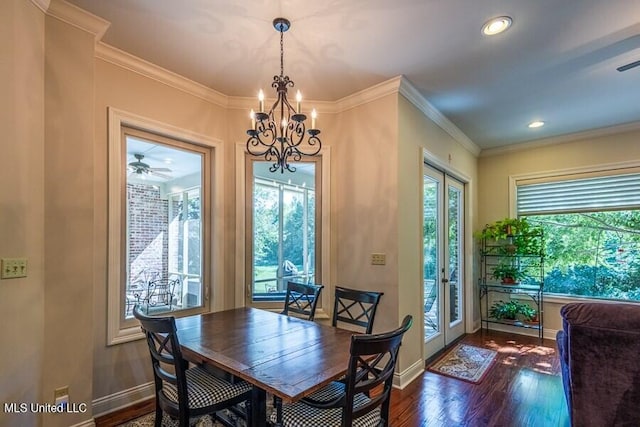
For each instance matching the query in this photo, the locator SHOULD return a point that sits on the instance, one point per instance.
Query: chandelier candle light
(278, 135)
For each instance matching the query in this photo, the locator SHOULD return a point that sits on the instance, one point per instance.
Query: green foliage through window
(592, 254)
(284, 234)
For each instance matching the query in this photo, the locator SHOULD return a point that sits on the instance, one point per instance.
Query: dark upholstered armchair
(600, 357)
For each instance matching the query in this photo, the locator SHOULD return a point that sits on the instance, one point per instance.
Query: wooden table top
(286, 356)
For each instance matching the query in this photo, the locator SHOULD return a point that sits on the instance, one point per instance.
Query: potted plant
(507, 273)
(516, 235)
(501, 229)
(501, 310)
(529, 314)
(512, 310)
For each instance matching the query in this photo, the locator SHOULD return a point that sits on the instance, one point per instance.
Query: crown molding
(43, 5)
(369, 94)
(73, 15)
(398, 84)
(561, 139)
(416, 98)
(133, 63)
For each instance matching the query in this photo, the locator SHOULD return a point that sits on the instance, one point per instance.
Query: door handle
(445, 280)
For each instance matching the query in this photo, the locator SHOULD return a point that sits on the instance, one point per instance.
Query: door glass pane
(283, 230)
(164, 227)
(454, 255)
(430, 256)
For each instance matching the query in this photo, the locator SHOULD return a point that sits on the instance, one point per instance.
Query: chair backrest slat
(302, 299)
(355, 307)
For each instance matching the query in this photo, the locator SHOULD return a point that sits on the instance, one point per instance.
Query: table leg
(258, 407)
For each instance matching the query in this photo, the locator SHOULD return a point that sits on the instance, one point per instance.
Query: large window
(592, 233)
(161, 250)
(164, 223)
(284, 243)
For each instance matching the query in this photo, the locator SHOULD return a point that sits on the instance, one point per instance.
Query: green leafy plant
(507, 273)
(501, 229)
(512, 310)
(529, 314)
(517, 236)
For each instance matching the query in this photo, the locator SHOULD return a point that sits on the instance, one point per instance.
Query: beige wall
(416, 134)
(495, 170)
(22, 204)
(69, 216)
(365, 203)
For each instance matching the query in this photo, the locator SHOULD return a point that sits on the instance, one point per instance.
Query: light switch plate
(13, 268)
(378, 259)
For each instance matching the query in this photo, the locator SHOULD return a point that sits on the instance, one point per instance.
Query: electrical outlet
(13, 268)
(61, 396)
(378, 259)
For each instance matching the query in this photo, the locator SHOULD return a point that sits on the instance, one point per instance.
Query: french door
(443, 274)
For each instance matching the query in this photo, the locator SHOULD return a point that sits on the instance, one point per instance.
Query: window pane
(592, 254)
(431, 195)
(455, 249)
(266, 226)
(283, 230)
(164, 243)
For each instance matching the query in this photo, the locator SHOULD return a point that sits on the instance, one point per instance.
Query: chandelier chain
(281, 53)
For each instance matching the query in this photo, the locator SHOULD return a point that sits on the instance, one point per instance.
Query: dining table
(285, 356)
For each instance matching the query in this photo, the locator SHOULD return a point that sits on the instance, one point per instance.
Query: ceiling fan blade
(160, 169)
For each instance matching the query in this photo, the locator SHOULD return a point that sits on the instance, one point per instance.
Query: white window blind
(579, 195)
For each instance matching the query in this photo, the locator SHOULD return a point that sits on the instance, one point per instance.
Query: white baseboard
(547, 333)
(122, 399)
(401, 379)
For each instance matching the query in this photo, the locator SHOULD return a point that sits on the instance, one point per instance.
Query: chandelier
(279, 134)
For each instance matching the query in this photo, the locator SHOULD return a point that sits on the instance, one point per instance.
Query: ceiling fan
(141, 168)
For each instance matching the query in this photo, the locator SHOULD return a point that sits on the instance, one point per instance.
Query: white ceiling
(557, 63)
(171, 163)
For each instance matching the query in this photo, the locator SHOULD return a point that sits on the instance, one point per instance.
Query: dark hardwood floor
(522, 389)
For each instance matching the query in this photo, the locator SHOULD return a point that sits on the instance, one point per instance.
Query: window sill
(565, 299)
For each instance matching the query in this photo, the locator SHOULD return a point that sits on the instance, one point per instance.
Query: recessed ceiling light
(536, 124)
(496, 25)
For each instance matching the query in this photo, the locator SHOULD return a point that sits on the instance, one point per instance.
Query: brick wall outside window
(148, 231)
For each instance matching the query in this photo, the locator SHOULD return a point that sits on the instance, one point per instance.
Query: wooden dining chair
(355, 307)
(302, 299)
(371, 366)
(183, 392)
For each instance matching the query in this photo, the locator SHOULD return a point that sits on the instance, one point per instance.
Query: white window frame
(118, 331)
(241, 189)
